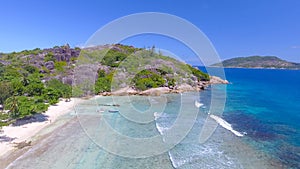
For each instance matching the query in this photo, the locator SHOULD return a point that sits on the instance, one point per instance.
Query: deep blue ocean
(265, 103)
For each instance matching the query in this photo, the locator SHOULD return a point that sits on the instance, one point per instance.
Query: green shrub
(18, 106)
(11, 73)
(77, 91)
(22, 106)
(6, 90)
(64, 90)
(103, 83)
(59, 66)
(33, 85)
(45, 69)
(147, 79)
(49, 57)
(113, 58)
(171, 82)
(39, 105)
(31, 69)
(51, 95)
(201, 76)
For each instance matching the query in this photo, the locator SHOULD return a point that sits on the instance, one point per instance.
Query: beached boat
(100, 111)
(113, 111)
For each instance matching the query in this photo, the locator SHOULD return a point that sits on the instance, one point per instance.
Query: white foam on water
(161, 129)
(157, 115)
(226, 125)
(176, 163)
(191, 156)
(198, 104)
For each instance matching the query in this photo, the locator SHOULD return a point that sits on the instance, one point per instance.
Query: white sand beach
(17, 134)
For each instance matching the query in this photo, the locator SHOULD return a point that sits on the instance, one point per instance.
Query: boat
(116, 105)
(113, 111)
(100, 111)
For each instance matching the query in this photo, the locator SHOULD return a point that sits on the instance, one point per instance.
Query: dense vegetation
(23, 93)
(147, 79)
(22, 90)
(103, 83)
(199, 74)
(258, 62)
(117, 54)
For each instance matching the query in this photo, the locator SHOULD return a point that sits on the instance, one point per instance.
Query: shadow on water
(289, 155)
(254, 128)
(271, 137)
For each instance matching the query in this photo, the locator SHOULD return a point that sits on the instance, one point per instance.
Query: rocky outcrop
(155, 91)
(164, 90)
(185, 87)
(64, 53)
(49, 65)
(217, 80)
(67, 79)
(131, 91)
(105, 68)
(125, 91)
(106, 94)
(5, 62)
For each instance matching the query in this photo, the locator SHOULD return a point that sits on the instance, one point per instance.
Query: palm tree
(12, 105)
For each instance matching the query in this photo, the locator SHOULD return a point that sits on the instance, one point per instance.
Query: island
(33, 80)
(268, 62)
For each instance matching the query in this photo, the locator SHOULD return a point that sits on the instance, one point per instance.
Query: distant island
(268, 62)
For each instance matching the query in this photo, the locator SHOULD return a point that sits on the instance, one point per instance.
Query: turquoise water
(261, 104)
(266, 105)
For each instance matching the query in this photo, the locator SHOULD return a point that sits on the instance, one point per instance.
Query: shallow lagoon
(265, 109)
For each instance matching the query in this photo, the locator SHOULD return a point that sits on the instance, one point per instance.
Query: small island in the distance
(266, 62)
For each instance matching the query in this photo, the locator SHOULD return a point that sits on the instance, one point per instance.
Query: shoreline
(202, 85)
(14, 135)
(17, 140)
(12, 156)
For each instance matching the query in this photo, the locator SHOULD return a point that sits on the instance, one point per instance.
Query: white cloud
(295, 47)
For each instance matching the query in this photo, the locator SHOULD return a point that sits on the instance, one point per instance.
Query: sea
(258, 128)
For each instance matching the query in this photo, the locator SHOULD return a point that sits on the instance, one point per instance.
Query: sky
(234, 27)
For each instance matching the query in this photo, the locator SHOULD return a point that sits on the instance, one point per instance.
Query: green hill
(258, 62)
(31, 80)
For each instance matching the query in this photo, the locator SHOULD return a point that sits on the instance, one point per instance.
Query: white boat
(100, 111)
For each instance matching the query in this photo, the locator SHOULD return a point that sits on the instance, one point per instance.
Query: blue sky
(235, 27)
